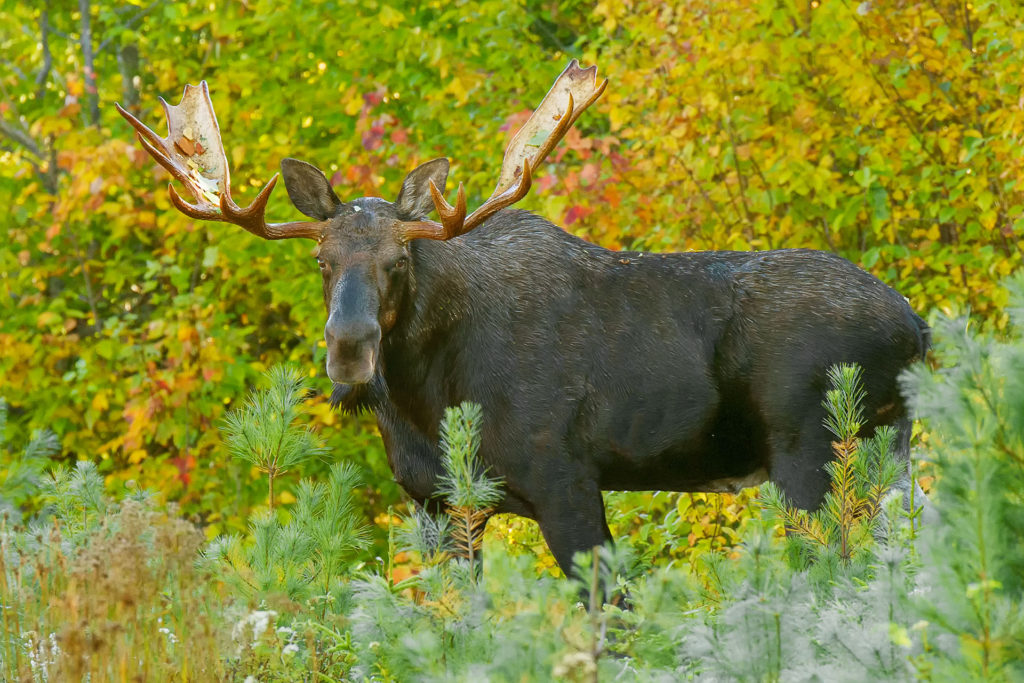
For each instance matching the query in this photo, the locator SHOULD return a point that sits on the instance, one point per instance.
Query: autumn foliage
(888, 132)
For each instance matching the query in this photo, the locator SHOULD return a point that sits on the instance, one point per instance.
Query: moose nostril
(348, 338)
(346, 348)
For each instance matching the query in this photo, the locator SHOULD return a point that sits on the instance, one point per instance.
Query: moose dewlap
(595, 369)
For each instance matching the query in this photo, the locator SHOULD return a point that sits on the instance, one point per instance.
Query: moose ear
(414, 201)
(309, 189)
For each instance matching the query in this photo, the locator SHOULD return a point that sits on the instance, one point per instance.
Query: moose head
(363, 245)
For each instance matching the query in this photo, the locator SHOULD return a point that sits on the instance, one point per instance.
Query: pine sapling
(862, 473)
(263, 432)
(22, 474)
(470, 494)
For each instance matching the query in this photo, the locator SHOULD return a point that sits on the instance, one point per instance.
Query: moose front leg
(572, 520)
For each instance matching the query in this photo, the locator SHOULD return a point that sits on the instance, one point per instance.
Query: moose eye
(323, 265)
(401, 263)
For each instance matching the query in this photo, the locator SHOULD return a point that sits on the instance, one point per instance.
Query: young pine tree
(466, 487)
(971, 595)
(263, 431)
(837, 537)
(306, 556)
(21, 473)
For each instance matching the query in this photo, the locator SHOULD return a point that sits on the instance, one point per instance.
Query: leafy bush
(884, 131)
(291, 598)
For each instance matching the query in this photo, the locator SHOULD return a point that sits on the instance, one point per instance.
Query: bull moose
(596, 369)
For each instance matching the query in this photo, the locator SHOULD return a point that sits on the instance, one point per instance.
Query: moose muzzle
(352, 332)
(352, 349)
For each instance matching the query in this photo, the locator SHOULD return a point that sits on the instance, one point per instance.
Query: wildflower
(581, 662)
(257, 623)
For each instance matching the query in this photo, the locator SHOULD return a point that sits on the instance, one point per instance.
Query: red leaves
(373, 138)
(185, 465)
(576, 213)
(399, 136)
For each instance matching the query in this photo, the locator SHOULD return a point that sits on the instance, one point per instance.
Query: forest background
(886, 132)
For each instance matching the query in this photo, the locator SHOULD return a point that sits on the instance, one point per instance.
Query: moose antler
(193, 153)
(574, 90)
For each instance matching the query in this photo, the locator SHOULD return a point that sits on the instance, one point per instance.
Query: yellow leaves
(618, 116)
(389, 17)
(99, 402)
(710, 101)
(610, 12)
(459, 89)
(352, 101)
(321, 411)
(137, 456)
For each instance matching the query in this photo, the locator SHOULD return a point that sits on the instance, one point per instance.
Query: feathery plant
(469, 493)
(430, 536)
(263, 433)
(862, 473)
(305, 556)
(22, 474)
(97, 589)
(973, 560)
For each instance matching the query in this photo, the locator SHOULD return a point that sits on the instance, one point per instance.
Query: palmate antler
(574, 90)
(193, 153)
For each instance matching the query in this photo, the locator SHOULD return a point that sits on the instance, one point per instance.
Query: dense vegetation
(860, 590)
(888, 132)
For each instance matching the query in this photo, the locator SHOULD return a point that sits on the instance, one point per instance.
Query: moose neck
(436, 302)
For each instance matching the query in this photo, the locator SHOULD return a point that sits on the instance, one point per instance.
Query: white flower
(251, 628)
(575, 662)
(290, 649)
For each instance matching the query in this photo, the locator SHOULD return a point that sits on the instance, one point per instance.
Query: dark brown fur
(595, 369)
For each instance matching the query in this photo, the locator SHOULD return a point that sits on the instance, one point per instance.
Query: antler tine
(452, 217)
(191, 210)
(522, 157)
(193, 153)
(154, 144)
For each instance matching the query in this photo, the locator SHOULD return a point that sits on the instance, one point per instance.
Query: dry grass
(127, 605)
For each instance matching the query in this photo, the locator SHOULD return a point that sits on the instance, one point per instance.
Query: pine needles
(470, 494)
(862, 473)
(263, 432)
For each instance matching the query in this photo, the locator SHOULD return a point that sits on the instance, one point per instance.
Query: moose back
(596, 369)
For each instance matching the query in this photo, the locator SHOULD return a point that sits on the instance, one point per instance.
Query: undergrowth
(101, 588)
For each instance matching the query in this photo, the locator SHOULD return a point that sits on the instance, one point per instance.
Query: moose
(596, 369)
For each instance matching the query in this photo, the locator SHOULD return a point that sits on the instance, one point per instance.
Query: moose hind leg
(797, 462)
(906, 484)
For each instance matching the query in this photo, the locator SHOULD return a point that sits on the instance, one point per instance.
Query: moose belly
(717, 452)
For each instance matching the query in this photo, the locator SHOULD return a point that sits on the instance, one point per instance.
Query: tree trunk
(87, 57)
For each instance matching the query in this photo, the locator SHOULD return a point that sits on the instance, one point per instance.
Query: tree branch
(44, 41)
(136, 18)
(87, 57)
(20, 137)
